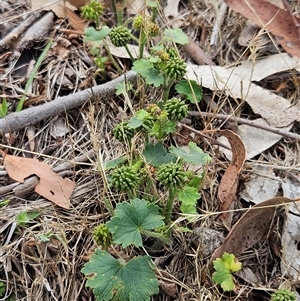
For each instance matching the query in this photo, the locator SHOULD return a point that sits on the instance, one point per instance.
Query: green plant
(33, 73)
(4, 203)
(115, 279)
(102, 236)
(224, 267)
(3, 108)
(92, 11)
(283, 295)
(123, 132)
(25, 217)
(2, 289)
(152, 175)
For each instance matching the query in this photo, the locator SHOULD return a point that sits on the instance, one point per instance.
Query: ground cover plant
(149, 150)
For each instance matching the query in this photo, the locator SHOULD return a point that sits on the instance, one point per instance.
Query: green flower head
(122, 132)
(176, 109)
(125, 179)
(175, 68)
(171, 174)
(283, 295)
(120, 36)
(102, 236)
(92, 11)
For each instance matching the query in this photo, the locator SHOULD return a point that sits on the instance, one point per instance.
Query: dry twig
(17, 121)
(249, 123)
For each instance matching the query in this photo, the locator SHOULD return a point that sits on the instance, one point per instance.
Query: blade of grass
(3, 108)
(32, 75)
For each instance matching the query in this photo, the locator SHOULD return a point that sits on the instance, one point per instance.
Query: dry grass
(36, 270)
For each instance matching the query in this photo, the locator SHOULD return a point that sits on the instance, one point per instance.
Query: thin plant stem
(169, 205)
(33, 74)
(129, 53)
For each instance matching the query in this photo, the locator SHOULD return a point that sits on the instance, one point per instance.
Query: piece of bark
(12, 36)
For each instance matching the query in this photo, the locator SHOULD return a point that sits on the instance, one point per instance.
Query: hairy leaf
(176, 35)
(113, 279)
(190, 89)
(194, 156)
(131, 219)
(188, 197)
(91, 34)
(157, 154)
(138, 119)
(224, 267)
(146, 69)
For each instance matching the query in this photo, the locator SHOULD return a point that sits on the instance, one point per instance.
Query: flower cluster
(125, 179)
(120, 36)
(176, 109)
(92, 11)
(102, 236)
(283, 295)
(171, 174)
(123, 132)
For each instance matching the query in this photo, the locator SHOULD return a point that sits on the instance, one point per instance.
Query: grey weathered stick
(252, 123)
(17, 121)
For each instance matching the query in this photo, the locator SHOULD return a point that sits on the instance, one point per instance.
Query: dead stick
(249, 123)
(214, 141)
(17, 121)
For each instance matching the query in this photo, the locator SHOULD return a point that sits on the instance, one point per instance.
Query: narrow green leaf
(32, 75)
(4, 203)
(3, 108)
(113, 279)
(25, 217)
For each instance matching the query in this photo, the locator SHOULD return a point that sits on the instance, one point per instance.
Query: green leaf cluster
(224, 267)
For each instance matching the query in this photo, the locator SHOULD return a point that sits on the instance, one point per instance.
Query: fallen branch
(249, 123)
(17, 121)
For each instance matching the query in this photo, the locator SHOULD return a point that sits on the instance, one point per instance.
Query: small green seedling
(33, 74)
(224, 267)
(25, 217)
(4, 203)
(283, 295)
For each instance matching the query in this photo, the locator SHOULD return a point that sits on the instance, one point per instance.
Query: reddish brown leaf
(250, 228)
(276, 20)
(229, 182)
(51, 186)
